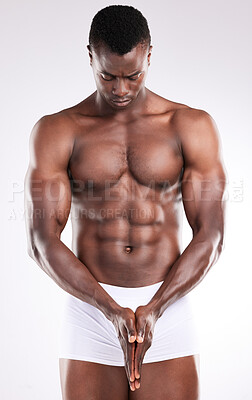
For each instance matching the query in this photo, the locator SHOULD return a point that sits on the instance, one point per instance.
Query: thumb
(140, 331)
(131, 329)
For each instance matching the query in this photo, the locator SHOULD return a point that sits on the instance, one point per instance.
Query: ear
(90, 53)
(149, 54)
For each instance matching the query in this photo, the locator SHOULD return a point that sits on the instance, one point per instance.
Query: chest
(148, 154)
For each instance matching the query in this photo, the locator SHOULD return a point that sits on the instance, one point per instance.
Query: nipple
(128, 249)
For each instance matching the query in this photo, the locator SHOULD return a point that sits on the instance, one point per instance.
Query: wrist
(154, 308)
(111, 310)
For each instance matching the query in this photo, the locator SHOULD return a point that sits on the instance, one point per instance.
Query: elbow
(29, 251)
(212, 246)
(32, 251)
(217, 250)
(41, 248)
(34, 245)
(221, 245)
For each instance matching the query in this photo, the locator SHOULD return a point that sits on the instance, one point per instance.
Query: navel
(128, 249)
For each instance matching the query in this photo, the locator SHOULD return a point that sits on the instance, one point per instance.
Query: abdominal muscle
(125, 251)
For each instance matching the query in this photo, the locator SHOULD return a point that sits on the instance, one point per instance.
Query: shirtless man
(126, 160)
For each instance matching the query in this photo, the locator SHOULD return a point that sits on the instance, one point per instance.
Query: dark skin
(132, 167)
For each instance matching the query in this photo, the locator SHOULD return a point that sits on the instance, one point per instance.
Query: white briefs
(86, 334)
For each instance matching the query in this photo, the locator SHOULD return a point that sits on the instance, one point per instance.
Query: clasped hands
(135, 333)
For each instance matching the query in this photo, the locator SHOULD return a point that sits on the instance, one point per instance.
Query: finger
(131, 361)
(132, 337)
(132, 386)
(137, 383)
(140, 337)
(127, 369)
(140, 327)
(126, 350)
(129, 357)
(139, 355)
(131, 330)
(131, 366)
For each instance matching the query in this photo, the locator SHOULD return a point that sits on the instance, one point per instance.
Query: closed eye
(131, 78)
(105, 79)
(135, 77)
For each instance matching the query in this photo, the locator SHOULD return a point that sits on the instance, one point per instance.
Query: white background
(201, 57)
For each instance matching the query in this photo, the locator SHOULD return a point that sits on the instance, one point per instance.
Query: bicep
(47, 185)
(47, 201)
(204, 178)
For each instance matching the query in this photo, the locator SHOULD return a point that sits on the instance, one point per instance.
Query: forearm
(187, 272)
(60, 263)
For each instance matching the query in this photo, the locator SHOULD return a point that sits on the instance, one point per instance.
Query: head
(119, 50)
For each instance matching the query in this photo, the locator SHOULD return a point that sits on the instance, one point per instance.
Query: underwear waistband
(122, 291)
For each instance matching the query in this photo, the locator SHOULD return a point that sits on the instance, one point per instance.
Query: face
(120, 79)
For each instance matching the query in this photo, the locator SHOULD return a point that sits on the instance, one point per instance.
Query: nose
(120, 88)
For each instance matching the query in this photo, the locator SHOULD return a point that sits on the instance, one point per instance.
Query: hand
(135, 333)
(125, 324)
(145, 324)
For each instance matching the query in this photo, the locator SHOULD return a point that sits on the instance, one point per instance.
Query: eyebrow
(113, 76)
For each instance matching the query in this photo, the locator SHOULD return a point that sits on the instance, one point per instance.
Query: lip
(121, 103)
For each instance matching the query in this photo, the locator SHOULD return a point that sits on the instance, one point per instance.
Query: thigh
(175, 379)
(83, 380)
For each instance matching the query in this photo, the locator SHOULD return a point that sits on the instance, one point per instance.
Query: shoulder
(52, 140)
(199, 140)
(64, 124)
(193, 123)
(51, 125)
(58, 129)
(191, 126)
(196, 131)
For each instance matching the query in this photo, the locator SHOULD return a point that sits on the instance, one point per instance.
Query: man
(126, 160)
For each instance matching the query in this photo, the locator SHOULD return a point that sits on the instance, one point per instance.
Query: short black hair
(120, 27)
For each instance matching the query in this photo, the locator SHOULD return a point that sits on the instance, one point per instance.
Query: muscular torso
(126, 196)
